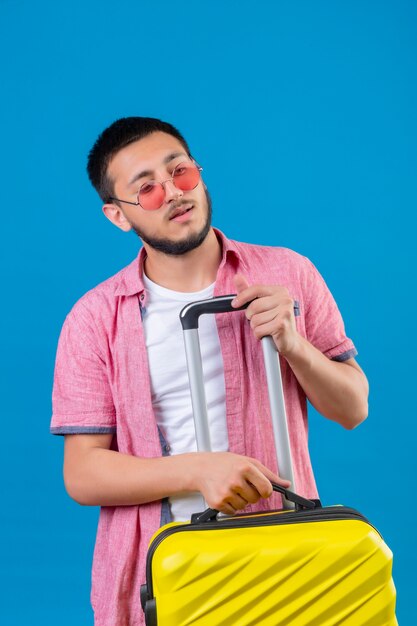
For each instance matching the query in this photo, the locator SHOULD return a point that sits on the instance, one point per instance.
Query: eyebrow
(170, 157)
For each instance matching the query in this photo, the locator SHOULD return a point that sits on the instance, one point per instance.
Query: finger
(249, 493)
(270, 475)
(258, 319)
(262, 304)
(241, 282)
(237, 502)
(259, 481)
(281, 481)
(227, 508)
(278, 329)
(267, 303)
(252, 292)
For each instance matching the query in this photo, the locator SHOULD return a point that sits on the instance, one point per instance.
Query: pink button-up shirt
(102, 385)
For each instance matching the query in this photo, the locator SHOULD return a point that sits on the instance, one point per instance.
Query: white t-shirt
(170, 384)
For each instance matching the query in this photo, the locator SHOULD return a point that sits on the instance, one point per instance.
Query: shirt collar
(131, 281)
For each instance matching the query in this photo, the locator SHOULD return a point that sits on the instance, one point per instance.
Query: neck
(188, 272)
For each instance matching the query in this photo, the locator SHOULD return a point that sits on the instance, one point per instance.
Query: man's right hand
(229, 482)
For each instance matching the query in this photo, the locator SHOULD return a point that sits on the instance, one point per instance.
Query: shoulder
(272, 259)
(103, 300)
(277, 265)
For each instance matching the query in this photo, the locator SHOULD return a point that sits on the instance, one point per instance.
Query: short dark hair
(118, 135)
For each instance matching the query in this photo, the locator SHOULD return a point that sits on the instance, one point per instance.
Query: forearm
(337, 390)
(109, 478)
(96, 475)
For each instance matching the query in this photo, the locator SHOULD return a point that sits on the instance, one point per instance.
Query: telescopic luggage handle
(189, 317)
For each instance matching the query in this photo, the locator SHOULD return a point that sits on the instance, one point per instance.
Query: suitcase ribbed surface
(306, 574)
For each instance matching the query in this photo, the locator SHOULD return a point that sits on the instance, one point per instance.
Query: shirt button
(167, 447)
(142, 296)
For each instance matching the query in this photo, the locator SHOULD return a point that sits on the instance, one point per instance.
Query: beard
(177, 248)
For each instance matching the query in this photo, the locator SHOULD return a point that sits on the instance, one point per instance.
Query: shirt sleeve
(324, 324)
(81, 399)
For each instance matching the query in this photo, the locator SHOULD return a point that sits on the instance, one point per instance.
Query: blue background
(303, 115)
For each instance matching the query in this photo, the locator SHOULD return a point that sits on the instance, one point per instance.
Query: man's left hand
(270, 313)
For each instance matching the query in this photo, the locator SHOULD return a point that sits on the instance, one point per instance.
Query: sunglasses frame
(162, 183)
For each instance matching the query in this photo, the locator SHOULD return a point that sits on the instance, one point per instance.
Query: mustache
(180, 203)
(178, 206)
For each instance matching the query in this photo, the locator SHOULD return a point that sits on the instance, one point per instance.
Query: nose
(171, 191)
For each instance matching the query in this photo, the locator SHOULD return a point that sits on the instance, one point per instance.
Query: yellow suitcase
(305, 566)
(318, 567)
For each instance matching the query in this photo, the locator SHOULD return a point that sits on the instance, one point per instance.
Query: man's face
(154, 158)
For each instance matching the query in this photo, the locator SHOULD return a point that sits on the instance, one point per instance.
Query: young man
(121, 395)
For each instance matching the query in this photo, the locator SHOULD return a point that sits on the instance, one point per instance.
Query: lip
(181, 213)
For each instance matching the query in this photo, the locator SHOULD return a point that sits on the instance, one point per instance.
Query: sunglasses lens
(151, 196)
(186, 176)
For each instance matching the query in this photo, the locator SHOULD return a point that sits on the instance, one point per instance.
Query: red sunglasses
(151, 194)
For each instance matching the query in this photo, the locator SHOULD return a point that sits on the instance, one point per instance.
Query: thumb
(241, 283)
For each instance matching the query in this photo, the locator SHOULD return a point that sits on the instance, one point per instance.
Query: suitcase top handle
(301, 504)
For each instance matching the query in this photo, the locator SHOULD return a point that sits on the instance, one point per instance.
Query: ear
(115, 214)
